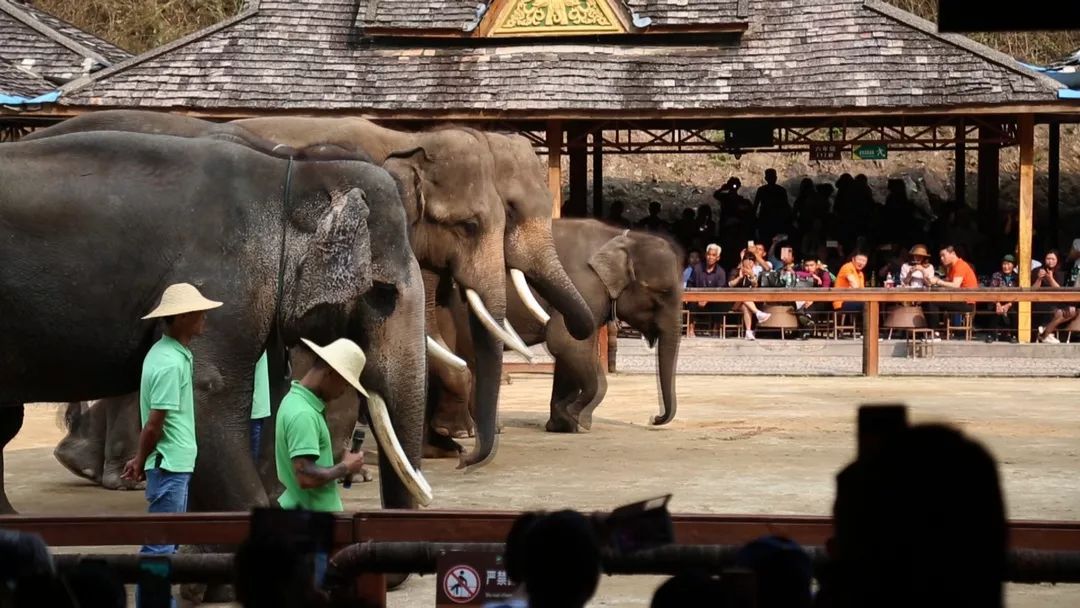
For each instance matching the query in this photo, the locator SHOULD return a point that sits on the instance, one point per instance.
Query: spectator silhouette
(704, 226)
(806, 205)
(686, 229)
(652, 222)
(27, 576)
(272, 573)
(920, 522)
(615, 215)
(782, 569)
(689, 589)
(556, 556)
(96, 585)
(772, 208)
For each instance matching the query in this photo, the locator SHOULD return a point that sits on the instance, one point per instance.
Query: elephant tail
(70, 417)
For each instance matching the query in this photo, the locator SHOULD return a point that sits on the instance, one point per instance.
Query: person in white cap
(303, 450)
(166, 452)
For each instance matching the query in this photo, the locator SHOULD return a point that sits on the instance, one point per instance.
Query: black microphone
(357, 441)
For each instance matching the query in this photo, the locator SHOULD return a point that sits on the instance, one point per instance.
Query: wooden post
(577, 149)
(960, 165)
(1054, 187)
(598, 174)
(988, 178)
(871, 312)
(1026, 136)
(554, 144)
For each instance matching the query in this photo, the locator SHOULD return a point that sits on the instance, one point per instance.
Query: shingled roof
(40, 52)
(796, 57)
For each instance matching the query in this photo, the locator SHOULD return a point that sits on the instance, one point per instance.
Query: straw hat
(344, 357)
(919, 250)
(180, 299)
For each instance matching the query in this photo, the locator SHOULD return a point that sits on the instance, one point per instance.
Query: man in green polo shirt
(303, 451)
(167, 448)
(260, 406)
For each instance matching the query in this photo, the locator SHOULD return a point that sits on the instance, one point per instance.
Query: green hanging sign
(870, 152)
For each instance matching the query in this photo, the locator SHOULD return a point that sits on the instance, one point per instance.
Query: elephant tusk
(447, 356)
(493, 326)
(526, 294)
(411, 477)
(517, 338)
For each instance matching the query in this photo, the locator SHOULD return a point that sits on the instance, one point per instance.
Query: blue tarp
(1069, 94)
(12, 100)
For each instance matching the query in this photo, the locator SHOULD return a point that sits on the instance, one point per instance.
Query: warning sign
(471, 578)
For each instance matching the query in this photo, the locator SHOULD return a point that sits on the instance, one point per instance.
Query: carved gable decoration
(555, 18)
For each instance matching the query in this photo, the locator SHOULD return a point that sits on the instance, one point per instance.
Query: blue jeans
(167, 493)
(852, 307)
(256, 438)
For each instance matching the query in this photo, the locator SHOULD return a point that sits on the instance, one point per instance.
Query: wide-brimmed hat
(179, 299)
(343, 356)
(919, 250)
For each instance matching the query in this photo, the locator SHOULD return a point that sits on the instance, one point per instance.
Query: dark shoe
(989, 339)
(1014, 340)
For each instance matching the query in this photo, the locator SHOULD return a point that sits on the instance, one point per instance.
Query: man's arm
(148, 440)
(311, 475)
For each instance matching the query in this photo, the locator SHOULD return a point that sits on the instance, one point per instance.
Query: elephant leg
(11, 420)
(121, 441)
(593, 390)
(449, 401)
(563, 390)
(82, 450)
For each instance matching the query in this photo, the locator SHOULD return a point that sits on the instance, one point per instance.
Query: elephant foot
(583, 416)
(455, 426)
(81, 457)
(111, 480)
(506, 379)
(559, 424)
(440, 446)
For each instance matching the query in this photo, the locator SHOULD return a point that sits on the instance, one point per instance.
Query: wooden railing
(466, 527)
(874, 297)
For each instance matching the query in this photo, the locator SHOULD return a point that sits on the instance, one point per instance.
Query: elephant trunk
(667, 355)
(532, 251)
(485, 393)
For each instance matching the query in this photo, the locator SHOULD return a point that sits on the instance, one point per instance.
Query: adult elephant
(531, 260)
(628, 275)
(453, 180)
(94, 225)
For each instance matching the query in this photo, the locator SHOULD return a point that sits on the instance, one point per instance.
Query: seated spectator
(27, 576)
(1004, 319)
(850, 276)
(692, 260)
(782, 569)
(707, 275)
(958, 275)
(919, 522)
(814, 274)
(688, 590)
(652, 222)
(744, 277)
(916, 272)
(811, 276)
(1052, 316)
(556, 557)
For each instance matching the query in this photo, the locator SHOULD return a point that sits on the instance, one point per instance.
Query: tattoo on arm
(311, 475)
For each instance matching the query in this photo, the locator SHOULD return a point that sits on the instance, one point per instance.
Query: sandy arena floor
(738, 445)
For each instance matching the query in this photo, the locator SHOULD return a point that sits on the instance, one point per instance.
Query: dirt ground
(738, 445)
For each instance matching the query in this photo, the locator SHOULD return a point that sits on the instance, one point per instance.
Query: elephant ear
(407, 167)
(613, 264)
(336, 268)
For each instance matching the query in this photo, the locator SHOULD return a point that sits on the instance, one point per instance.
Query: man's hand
(354, 462)
(133, 470)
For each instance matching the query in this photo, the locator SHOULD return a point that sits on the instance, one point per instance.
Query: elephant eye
(471, 227)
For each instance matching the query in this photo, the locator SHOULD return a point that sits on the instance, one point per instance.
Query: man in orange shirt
(958, 275)
(851, 277)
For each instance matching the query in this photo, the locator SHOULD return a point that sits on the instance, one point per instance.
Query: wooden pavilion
(583, 77)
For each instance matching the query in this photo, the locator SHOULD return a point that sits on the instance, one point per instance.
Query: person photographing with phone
(303, 449)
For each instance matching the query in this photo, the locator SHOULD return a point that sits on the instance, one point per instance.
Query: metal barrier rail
(1024, 565)
(1062, 538)
(874, 297)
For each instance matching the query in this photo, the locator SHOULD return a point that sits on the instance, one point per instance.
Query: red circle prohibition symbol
(461, 584)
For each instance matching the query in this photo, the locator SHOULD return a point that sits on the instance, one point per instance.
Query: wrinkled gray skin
(456, 217)
(112, 198)
(640, 272)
